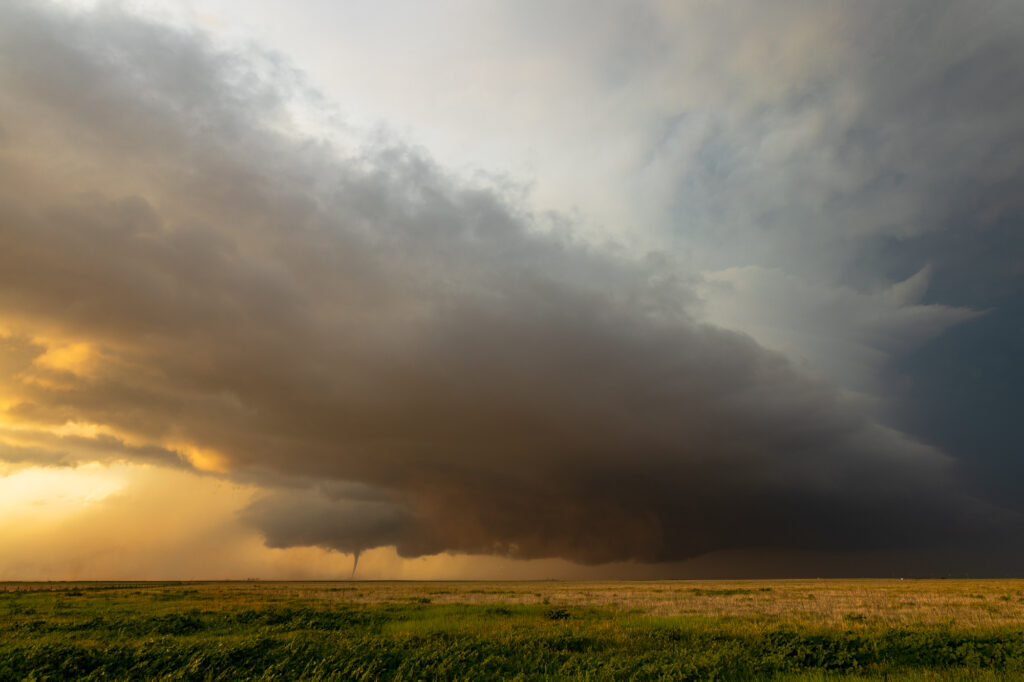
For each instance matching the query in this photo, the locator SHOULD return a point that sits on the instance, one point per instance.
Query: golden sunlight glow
(134, 521)
(203, 459)
(85, 430)
(30, 434)
(50, 492)
(79, 358)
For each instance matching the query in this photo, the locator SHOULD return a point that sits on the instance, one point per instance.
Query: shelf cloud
(398, 355)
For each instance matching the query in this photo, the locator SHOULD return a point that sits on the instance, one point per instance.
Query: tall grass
(792, 630)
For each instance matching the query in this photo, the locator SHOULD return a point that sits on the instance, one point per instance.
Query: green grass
(471, 631)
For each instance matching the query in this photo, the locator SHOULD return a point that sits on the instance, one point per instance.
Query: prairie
(786, 630)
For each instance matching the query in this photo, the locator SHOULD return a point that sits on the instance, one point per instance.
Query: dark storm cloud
(946, 129)
(890, 144)
(857, 120)
(443, 372)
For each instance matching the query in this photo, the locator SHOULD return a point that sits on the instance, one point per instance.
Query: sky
(464, 290)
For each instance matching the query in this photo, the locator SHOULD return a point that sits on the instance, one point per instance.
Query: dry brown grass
(968, 603)
(831, 603)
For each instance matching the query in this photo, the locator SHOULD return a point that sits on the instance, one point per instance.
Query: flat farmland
(786, 630)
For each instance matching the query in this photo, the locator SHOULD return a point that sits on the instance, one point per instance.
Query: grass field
(788, 630)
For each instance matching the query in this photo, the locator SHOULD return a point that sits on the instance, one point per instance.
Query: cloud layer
(397, 356)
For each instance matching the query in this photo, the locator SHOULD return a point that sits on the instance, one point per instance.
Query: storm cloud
(399, 355)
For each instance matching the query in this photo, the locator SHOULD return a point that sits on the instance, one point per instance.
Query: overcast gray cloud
(398, 356)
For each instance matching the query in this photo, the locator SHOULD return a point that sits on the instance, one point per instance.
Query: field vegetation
(787, 630)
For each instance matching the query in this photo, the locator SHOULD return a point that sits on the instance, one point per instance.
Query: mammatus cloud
(398, 357)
